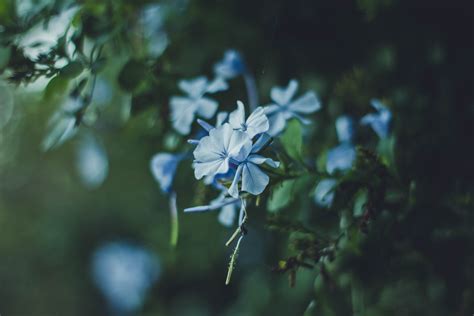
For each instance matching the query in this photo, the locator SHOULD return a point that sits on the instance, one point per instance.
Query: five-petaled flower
(185, 108)
(229, 150)
(283, 108)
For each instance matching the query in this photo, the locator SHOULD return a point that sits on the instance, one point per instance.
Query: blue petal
(282, 95)
(340, 158)
(92, 162)
(345, 129)
(124, 273)
(324, 193)
(163, 167)
(380, 121)
(231, 66)
(254, 180)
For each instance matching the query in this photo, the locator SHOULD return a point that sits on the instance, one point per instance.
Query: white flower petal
(257, 122)
(227, 215)
(195, 87)
(257, 159)
(206, 107)
(234, 187)
(307, 103)
(182, 114)
(163, 167)
(218, 84)
(237, 117)
(254, 180)
(282, 96)
(277, 123)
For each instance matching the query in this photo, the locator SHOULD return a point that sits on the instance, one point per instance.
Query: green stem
(233, 260)
(174, 221)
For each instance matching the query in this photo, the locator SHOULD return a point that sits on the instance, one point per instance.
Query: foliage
(354, 181)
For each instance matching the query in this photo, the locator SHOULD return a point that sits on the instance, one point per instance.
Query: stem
(251, 87)
(233, 260)
(174, 220)
(242, 220)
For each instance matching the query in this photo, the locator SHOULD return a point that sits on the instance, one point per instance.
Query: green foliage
(292, 139)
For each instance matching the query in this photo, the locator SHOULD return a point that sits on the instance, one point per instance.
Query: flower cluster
(231, 156)
(229, 149)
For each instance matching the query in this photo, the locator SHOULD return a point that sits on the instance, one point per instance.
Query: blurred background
(84, 226)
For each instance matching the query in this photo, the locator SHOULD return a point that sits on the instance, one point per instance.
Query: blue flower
(324, 193)
(283, 108)
(380, 121)
(184, 109)
(163, 167)
(226, 150)
(342, 156)
(231, 66)
(256, 123)
(124, 273)
(214, 153)
(91, 162)
(345, 129)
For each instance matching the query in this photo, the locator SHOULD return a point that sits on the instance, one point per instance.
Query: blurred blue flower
(345, 129)
(380, 121)
(124, 273)
(284, 108)
(231, 66)
(91, 162)
(151, 20)
(342, 156)
(184, 109)
(214, 152)
(256, 123)
(163, 167)
(324, 193)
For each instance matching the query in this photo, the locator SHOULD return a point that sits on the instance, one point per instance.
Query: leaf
(292, 139)
(132, 75)
(281, 196)
(72, 70)
(55, 87)
(6, 105)
(5, 53)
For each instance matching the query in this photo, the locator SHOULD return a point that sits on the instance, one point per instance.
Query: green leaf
(132, 75)
(281, 196)
(359, 203)
(292, 139)
(55, 87)
(5, 53)
(72, 70)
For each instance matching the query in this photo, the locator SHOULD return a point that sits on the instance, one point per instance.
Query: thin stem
(233, 260)
(242, 220)
(174, 220)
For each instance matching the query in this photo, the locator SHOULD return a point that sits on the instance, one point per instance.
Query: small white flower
(256, 123)
(184, 109)
(283, 108)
